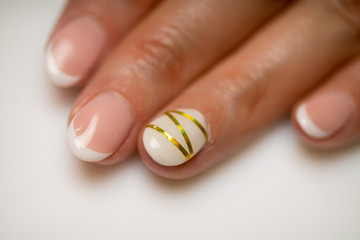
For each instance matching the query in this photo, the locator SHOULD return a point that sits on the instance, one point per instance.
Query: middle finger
(173, 45)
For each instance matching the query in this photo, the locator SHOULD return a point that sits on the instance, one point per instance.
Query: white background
(275, 188)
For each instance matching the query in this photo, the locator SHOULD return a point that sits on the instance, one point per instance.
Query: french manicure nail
(176, 136)
(324, 114)
(74, 50)
(100, 127)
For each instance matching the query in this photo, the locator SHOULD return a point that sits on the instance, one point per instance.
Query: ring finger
(250, 89)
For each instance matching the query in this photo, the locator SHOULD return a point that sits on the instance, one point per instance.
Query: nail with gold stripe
(176, 136)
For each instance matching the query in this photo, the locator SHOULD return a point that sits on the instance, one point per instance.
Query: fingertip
(100, 127)
(307, 125)
(74, 50)
(171, 143)
(55, 74)
(324, 120)
(175, 136)
(80, 150)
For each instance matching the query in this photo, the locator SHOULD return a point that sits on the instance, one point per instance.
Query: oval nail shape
(74, 51)
(322, 115)
(100, 127)
(176, 136)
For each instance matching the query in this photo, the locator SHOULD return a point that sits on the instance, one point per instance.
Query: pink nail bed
(74, 50)
(325, 113)
(100, 127)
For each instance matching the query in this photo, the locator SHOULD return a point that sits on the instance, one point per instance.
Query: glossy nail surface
(322, 115)
(175, 137)
(74, 50)
(100, 127)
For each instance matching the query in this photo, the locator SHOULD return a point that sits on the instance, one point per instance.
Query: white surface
(55, 74)
(307, 124)
(274, 188)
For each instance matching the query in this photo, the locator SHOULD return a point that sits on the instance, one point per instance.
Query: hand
(219, 70)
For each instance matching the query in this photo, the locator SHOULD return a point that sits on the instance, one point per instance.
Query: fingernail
(74, 50)
(324, 114)
(100, 127)
(176, 136)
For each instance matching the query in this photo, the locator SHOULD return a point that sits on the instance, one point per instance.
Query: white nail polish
(55, 74)
(307, 125)
(176, 136)
(78, 145)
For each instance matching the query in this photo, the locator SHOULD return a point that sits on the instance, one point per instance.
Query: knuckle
(161, 53)
(245, 89)
(347, 10)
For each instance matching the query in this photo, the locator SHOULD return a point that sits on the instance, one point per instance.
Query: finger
(86, 29)
(154, 62)
(254, 87)
(330, 117)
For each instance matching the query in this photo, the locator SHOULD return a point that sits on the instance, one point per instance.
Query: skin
(270, 57)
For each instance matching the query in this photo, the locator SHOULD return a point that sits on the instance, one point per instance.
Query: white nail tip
(56, 75)
(307, 125)
(80, 150)
(164, 151)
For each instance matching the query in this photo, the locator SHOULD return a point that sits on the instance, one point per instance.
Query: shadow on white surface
(273, 188)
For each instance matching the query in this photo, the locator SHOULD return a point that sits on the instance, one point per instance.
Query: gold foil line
(184, 134)
(171, 139)
(202, 129)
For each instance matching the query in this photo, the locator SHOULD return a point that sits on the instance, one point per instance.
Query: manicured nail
(74, 50)
(324, 114)
(176, 136)
(100, 127)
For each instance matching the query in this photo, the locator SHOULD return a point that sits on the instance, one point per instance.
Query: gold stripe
(171, 139)
(188, 155)
(186, 137)
(194, 121)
